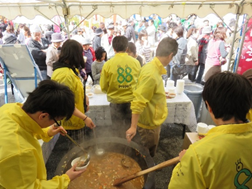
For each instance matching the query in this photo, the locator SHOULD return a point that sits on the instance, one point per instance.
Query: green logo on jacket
(124, 75)
(245, 175)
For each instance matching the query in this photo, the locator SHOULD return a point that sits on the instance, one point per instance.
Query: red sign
(246, 55)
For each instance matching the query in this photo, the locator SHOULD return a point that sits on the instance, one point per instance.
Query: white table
(180, 111)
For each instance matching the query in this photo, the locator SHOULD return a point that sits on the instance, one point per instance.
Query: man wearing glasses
(21, 125)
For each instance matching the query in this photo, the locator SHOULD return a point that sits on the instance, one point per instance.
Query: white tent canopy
(125, 8)
(37, 19)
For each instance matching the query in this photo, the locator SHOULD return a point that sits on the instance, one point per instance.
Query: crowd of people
(194, 58)
(129, 63)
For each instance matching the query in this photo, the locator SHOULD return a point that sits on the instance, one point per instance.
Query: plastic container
(79, 168)
(194, 93)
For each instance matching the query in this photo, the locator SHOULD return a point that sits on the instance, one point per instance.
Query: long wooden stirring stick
(122, 180)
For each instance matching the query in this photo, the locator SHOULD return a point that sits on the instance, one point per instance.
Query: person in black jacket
(38, 45)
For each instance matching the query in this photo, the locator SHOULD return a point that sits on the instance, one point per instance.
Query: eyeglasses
(56, 122)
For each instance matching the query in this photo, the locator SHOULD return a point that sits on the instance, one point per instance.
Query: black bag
(179, 69)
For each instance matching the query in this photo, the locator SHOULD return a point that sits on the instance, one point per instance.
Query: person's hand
(85, 77)
(170, 95)
(130, 133)
(181, 154)
(53, 130)
(167, 94)
(196, 63)
(89, 123)
(87, 103)
(73, 174)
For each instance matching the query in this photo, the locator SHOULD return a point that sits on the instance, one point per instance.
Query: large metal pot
(112, 144)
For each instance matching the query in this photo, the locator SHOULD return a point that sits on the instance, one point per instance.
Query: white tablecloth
(180, 111)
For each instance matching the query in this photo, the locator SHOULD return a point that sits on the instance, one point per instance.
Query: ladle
(126, 162)
(98, 151)
(122, 180)
(84, 158)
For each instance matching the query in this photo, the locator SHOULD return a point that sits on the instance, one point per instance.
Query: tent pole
(234, 32)
(59, 17)
(221, 18)
(94, 8)
(5, 84)
(241, 45)
(67, 26)
(65, 13)
(45, 16)
(233, 40)
(249, 28)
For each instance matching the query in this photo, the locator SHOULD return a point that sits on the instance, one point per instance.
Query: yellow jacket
(67, 77)
(149, 97)
(119, 77)
(249, 115)
(21, 160)
(220, 160)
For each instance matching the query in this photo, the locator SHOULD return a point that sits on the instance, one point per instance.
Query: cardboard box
(189, 139)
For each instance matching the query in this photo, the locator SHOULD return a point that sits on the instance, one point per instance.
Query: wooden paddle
(140, 173)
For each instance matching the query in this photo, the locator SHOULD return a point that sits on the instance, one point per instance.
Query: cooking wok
(112, 144)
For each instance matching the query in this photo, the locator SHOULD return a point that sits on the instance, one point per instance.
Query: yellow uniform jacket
(220, 160)
(21, 160)
(67, 77)
(119, 77)
(149, 97)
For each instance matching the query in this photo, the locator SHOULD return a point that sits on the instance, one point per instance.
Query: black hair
(229, 95)
(120, 43)
(98, 53)
(132, 47)
(51, 97)
(166, 47)
(172, 25)
(72, 54)
(27, 30)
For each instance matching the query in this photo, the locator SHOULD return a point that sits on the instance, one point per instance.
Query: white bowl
(88, 87)
(170, 95)
(90, 95)
(79, 168)
(97, 86)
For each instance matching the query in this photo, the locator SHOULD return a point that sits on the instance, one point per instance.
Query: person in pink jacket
(216, 53)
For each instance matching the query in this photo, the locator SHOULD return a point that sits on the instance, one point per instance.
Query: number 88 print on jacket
(119, 77)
